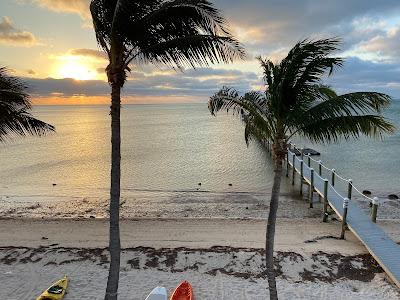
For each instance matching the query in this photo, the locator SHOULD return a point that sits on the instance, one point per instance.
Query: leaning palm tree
(176, 33)
(296, 103)
(15, 118)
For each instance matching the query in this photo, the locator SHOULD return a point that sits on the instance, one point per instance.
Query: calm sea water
(171, 148)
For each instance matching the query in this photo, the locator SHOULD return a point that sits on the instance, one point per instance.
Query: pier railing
(336, 192)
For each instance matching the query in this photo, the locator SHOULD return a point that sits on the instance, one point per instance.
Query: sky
(52, 45)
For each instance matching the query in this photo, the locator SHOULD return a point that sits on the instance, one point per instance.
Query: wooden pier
(384, 250)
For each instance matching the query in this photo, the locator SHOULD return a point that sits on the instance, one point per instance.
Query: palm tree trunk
(114, 241)
(270, 235)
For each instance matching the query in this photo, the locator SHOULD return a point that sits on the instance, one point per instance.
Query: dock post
(301, 176)
(333, 177)
(311, 193)
(287, 162)
(349, 189)
(325, 217)
(375, 204)
(344, 224)
(294, 168)
(309, 160)
(320, 174)
(302, 153)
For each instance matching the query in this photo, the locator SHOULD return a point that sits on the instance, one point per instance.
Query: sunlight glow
(74, 67)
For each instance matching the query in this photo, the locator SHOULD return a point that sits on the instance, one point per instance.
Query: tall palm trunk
(273, 208)
(114, 240)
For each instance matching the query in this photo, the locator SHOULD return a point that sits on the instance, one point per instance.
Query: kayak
(184, 291)
(56, 291)
(159, 293)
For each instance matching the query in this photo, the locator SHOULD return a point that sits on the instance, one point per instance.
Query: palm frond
(178, 33)
(296, 101)
(252, 107)
(346, 127)
(195, 50)
(22, 123)
(14, 106)
(226, 98)
(303, 68)
(331, 106)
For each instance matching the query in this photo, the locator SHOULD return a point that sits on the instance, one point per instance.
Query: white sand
(312, 265)
(195, 233)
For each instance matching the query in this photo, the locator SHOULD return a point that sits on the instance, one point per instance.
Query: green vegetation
(296, 103)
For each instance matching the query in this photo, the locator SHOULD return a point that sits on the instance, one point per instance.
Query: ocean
(178, 150)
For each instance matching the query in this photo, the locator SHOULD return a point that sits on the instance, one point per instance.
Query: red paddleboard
(184, 291)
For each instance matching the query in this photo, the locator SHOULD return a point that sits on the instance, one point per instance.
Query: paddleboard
(159, 293)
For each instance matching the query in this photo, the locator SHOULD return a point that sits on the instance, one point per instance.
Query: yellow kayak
(56, 291)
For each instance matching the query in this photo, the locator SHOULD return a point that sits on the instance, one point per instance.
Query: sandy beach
(222, 258)
(214, 240)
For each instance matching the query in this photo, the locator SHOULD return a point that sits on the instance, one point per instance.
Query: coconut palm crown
(15, 118)
(297, 103)
(176, 33)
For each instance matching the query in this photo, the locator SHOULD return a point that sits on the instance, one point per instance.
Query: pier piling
(325, 217)
(344, 224)
(375, 204)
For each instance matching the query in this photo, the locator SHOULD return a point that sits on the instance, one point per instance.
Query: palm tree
(15, 118)
(176, 33)
(296, 103)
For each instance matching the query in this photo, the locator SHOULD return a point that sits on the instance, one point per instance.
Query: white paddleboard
(159, 293)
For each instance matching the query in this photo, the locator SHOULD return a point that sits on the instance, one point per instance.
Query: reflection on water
(164, 147)
(170, 148)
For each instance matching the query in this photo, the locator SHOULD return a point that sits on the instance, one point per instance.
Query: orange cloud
(59, 99)
(15, 37)
(80, 7)
(92, 53)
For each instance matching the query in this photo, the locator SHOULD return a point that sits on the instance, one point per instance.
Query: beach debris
(92, 217)
(366, 193)
(199, 183)
(393, 197)
(54, 184)
(319, 238)
(44, 238)
(33, 206)
(230, 184)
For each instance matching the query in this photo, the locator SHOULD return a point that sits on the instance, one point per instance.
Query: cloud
(80, 7)
(384, 46)
(360, 75)
(92, 53)
(267, 26)
(10, 35)
(193, 83)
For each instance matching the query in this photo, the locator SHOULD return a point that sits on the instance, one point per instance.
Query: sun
(75, 68)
